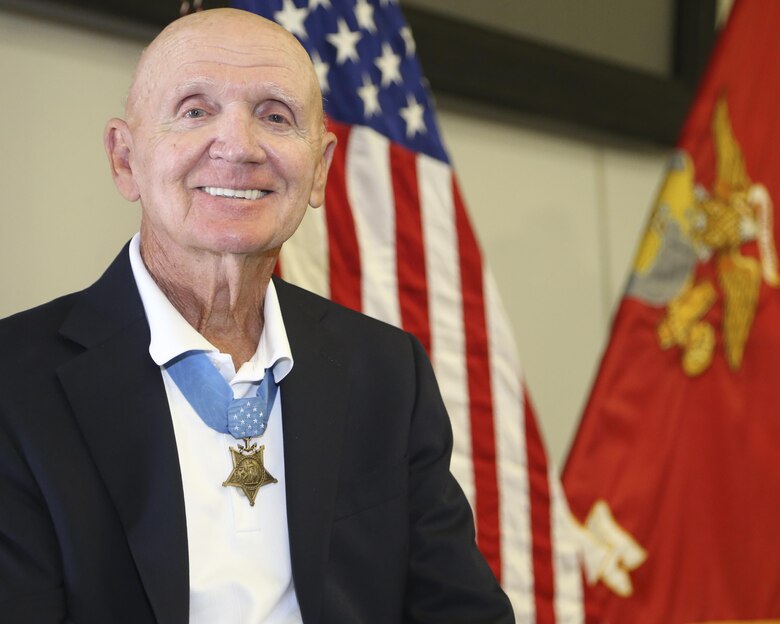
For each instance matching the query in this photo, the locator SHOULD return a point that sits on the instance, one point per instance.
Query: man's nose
(238, 138)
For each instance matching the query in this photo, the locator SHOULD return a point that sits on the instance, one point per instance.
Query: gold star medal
(212, 399)
(249, 473)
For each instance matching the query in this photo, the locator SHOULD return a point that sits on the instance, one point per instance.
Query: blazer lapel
(119, 400)
(313, 415)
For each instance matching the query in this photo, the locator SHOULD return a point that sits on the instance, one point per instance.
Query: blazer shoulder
(34, 322)
(27, 336)
(46, 319)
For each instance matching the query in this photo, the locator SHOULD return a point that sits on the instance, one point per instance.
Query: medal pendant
(249, 473)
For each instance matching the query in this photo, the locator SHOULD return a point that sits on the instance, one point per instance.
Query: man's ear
(317, 197)
(117, 141)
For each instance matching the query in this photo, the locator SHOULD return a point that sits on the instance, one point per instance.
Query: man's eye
(277, 118)
(195, 113)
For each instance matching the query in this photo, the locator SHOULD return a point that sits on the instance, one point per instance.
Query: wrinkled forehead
(218, 57)
(224, 50)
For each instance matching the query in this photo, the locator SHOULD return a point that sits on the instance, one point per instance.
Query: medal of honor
(212, 399)
(249, 473)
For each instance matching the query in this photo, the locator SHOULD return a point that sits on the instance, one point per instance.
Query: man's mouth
(216, 191)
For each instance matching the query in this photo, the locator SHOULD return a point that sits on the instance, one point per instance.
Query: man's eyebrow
(194, 85)
(285, 97)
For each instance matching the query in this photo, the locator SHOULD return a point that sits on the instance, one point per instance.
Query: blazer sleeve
(449, 582)
(31, 584)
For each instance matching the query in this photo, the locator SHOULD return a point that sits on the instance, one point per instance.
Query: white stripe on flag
(304, 258)
(448, 347)
(512, 462)
(370, 191)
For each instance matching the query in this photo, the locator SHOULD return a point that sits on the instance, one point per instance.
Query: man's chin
(239, 244)
(195, 245)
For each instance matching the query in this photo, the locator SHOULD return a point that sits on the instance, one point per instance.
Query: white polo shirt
(239, 555)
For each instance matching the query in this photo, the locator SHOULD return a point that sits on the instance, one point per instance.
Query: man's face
(225, 147)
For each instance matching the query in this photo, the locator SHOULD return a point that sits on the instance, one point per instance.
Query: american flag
(395, 242)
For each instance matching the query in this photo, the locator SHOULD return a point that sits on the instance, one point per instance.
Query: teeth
(238, 194)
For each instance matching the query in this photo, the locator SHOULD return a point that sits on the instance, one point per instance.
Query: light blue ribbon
(212, 397)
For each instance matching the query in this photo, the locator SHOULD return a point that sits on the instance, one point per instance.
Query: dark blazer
(92, 520)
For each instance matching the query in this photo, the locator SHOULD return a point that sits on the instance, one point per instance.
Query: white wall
(61, 220)
(558, 210)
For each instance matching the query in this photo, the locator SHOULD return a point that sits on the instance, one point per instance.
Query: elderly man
(190, 440)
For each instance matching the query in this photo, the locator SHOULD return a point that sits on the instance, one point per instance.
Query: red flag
(394, 241)
(674, 474)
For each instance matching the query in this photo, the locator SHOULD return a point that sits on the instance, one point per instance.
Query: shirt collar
(172, 335)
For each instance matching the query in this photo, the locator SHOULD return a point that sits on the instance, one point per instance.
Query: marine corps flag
(674, 477)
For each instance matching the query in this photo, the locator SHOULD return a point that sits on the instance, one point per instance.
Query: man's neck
(221, 296)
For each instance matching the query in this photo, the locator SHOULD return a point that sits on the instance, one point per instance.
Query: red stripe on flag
(483, 441)
(410, 250)
(343, 250)
(541, 538)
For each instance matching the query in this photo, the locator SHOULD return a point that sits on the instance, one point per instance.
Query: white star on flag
(313, 4)
(321, 69)
(388, 64)
(292, 18)
(413, 116)
(409, 44)
(345, 42)
(364, 13)
(369, 93)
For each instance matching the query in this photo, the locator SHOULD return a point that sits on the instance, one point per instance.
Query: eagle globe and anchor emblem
(691, 226)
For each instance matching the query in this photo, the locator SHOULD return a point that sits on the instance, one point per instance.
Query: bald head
(224, 142)
(235, 33)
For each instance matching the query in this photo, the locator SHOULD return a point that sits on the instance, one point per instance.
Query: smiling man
(190, 440)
